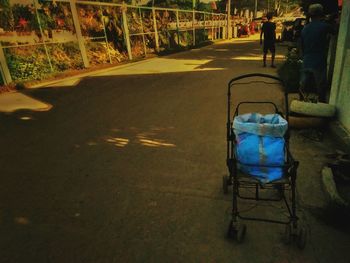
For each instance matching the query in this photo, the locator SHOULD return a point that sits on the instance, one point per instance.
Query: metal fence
(38, 40)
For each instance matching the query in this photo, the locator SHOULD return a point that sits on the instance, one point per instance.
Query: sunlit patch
(21, 220)
(150, 137)
(69, 82)
(13, 101)
(222, 49)
(91, 143)
(255, 58)
(158, 129)
(155, 143)
(243, 40)
(145, 135)
(26, 118)
(161, 66)
(119, 142)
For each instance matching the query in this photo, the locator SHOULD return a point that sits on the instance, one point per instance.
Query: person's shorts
(269, 46)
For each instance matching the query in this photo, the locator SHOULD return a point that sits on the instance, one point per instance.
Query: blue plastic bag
(260, 144)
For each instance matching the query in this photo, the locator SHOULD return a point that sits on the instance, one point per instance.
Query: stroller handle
(262, 75)
(253, 75)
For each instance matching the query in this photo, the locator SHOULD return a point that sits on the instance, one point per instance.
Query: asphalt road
(127, 166)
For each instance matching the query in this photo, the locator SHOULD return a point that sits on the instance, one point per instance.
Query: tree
(330, 6)
(181, 4)
(272, 5)
(7, 21)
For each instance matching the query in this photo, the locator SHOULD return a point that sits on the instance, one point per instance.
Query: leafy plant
(289, 71)
(201, 35)
(7, 21)
(1, 80)
(27, 63)
(91, 21)
(23, 16)
(65, 56)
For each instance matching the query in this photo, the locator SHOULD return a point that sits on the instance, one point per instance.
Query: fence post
(193, 28)
(81, 41)
(229, 27)
(178, 27)
(35, 4)
(143, 33)
(212, 26)
(126, 32)
(105, 35)
(224, 28)
(155, 28)
(5, 72)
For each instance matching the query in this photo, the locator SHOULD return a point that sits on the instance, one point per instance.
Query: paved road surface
(127, 165)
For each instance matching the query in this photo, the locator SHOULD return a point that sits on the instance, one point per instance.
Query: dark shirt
(314, 44)
(268, 29)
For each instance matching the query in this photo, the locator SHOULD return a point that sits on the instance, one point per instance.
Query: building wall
(340, 92)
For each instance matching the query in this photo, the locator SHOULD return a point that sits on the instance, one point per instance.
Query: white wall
(340, 92)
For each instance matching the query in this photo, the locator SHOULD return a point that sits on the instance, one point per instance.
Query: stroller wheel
(236, 231)
(231, 231)
(287, 237)
(242, 229)
(301, 238)
(225, 183)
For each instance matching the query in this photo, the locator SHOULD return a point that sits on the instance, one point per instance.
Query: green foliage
(20, 85)
(22, 11)
(46, 15)
(27, 12)
(46, 22)
(27, 67)
(330, 6)
(32, 63)
(186, 39)
(203, 7)
(221, 4)
(65, 56)
(201, 36)
(262, 5)
(181, 4)
(1, 80)
(7, 21)
(289, 71)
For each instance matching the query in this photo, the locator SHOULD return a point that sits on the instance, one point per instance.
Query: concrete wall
(340, 92)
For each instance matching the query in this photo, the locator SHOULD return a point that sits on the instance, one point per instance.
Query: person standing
(268, 30)
(314, 47)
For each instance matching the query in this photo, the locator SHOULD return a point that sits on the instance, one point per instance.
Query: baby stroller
(250, 140)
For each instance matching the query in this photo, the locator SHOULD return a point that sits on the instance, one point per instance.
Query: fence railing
(41, 39)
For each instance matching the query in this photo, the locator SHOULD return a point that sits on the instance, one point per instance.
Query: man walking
(314, 45)
(269, 31)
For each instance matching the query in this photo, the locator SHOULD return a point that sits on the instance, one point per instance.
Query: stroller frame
(237, 230)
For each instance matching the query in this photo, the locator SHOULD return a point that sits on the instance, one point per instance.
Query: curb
(330, 187)
(341, 135)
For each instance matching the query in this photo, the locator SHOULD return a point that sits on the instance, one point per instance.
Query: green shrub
(31, 63)
(1, 80)
(201, 36)
(65, 56)
(289, 72)
(20, 85)
(28, 65)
